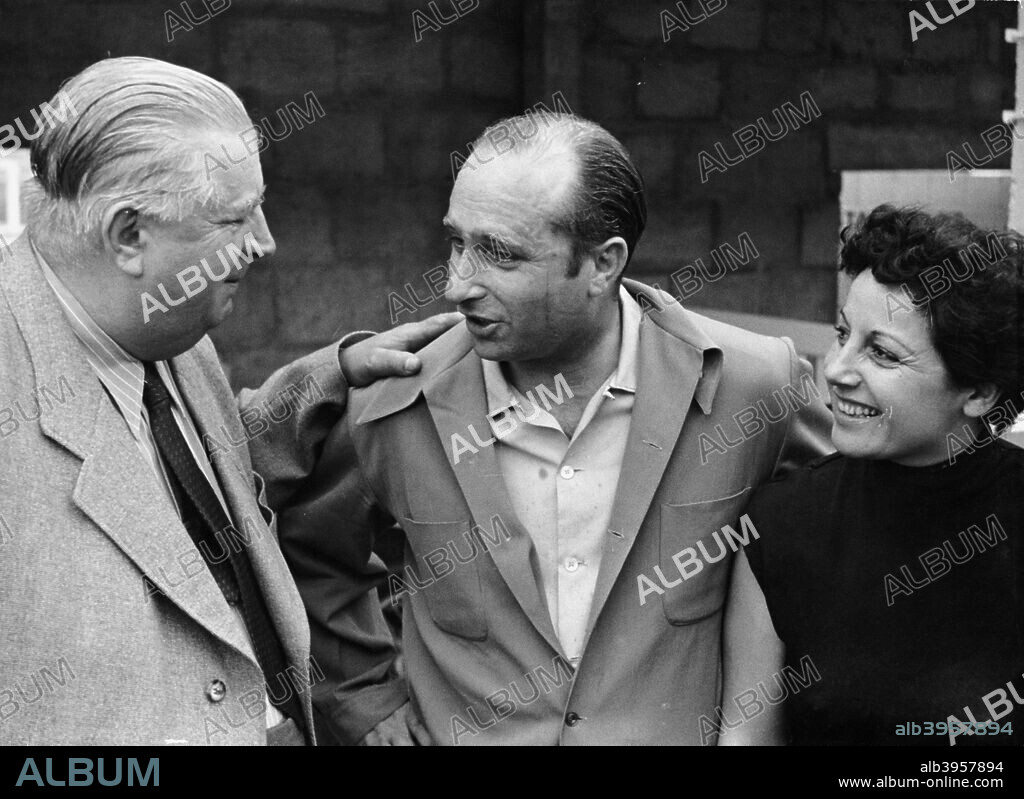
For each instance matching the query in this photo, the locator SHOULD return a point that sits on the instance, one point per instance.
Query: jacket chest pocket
(448, 573)
(698, 540)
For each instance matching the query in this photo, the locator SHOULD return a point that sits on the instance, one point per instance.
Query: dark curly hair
(966, 281)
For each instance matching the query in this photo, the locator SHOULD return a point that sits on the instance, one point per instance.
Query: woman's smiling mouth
(853, 410)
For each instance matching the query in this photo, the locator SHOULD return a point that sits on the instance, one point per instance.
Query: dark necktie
(224, 552)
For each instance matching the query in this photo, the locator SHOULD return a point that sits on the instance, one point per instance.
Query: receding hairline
(524, 174)
(558, 151)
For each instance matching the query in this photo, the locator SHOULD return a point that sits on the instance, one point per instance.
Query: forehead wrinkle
(509, 236)
(547, 180)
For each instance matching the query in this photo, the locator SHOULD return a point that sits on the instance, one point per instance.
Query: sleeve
(327, 519)
(768, 510)
(757, 552)
(327, 531)
(288, 418)
(809, 422)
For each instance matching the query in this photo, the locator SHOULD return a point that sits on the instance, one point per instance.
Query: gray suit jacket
(114, 631)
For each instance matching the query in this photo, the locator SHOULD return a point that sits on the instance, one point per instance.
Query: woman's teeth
(853, 409)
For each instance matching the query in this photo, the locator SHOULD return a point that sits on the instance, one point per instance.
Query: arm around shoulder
(327, 529)
(751, 654)
(808, 421)
(289, 417)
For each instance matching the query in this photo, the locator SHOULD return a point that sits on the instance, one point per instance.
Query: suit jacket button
(216, 690)
(572, 718)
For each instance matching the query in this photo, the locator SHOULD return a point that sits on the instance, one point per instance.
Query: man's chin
(169, 337)
(165, 347)
(490, 350)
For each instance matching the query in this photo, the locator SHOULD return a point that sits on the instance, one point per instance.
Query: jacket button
(572, 718)
(216, 690)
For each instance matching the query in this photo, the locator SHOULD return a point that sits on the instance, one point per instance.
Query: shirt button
(571, 564)
(216, 690)
(567, 472)
(572, 718)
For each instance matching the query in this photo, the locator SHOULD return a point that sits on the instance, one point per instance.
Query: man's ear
(122, 237)
(609, 261)
(981, 400)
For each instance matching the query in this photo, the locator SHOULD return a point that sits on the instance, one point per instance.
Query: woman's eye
(841, 333)
(884, 355)
(455, 243)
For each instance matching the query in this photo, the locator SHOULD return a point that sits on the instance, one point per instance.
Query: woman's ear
(981, 400)
(122, 238)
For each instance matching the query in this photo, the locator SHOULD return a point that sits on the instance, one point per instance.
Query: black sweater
(903, 588)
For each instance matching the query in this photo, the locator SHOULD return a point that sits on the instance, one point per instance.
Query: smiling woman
(892, 395)
(927, 335)
(856, 566)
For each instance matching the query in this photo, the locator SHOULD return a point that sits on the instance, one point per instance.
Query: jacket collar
(678, 366)
(660, 310)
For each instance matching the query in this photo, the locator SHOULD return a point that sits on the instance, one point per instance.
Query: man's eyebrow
(496, 241)
(246, 207)
(500, 242)
(258, 199)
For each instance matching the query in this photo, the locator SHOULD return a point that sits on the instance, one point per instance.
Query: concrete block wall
(355, 199)
(886, 102)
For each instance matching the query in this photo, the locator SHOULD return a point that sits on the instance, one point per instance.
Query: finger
(415, 335)
(419, 732)
(402, 738)
(391, 363)
(372, 739)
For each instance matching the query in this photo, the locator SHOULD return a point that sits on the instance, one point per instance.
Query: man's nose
(261, 234)
(462, 285)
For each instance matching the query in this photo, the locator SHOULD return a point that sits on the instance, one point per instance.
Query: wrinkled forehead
(516, 191)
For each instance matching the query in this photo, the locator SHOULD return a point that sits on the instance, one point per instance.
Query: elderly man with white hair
(143, 596)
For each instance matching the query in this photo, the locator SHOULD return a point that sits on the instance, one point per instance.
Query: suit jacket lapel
(139, 518)
(115, 488)
(456, 399)
(234, 475)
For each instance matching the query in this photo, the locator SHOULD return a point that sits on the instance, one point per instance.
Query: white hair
(136, 132)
